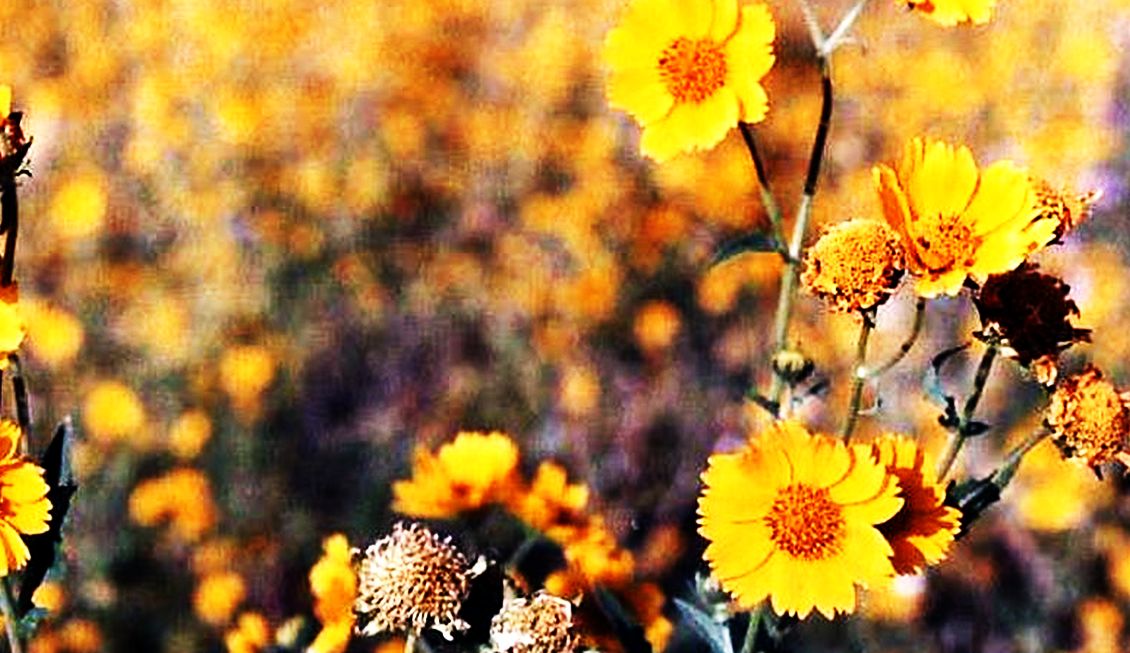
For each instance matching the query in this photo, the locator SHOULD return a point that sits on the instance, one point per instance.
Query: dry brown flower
(1068, 209)
(410, 580)
(542, 623)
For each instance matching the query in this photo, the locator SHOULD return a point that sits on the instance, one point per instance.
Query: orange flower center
(944, 242)
(806, 523)
(692, 70)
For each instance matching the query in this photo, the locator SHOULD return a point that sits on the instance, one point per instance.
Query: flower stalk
(858, 374)
(7, 606)
(961, 431)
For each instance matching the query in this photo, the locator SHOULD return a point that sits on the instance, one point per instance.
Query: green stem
(858, 374)
(410, 642)
(787, 295)
(959, 435)
(1003, 476)
(772, 209)
(907, 345)
(7, 605)
(750, 641)
(10, 212)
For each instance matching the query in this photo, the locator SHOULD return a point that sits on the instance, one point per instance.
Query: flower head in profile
(1089, 418)
(956, 221)
(1028, 314)
(923, 530)
(952, 12)
(474, 470)
(689, 70)
(794, 516)
(24, 506)
(855, 265)
(409, 580)
(1067, 208)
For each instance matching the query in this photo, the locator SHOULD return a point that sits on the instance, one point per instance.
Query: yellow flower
(475, 470)
(793, 516)
(217, 596)
(163, 499)
(922, 531)
(250, 635)
(957, 221)
(24, 507)
(855, 265)
(334, 586)
(688, 71)
(952, 12)
(551, 503)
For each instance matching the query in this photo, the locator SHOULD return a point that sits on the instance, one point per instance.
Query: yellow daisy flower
(952, 12)
(689, 70)
(24, 506)
(793, 516)
(474, 470)
(957, 221)
(333, 582)
(922, 531)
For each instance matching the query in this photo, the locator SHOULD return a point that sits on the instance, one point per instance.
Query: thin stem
(813, 25)
(750, 642)
(410, 643)
(858, 374)
(771, 207)
(1003, 476)
(7, 606)
(9, 217)
(907, 345)
(959, 435)
(804, 212)
(839, 34)
(19, 393)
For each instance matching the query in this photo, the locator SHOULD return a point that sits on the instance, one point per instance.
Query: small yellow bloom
(182, 497)
(189, 433)
(855, 265)
(551, 502)
(794, 517)
(688, 71)
(57, 335)
(245, 373)
(250, 635)
(334, 586)
(474, 470)
(957, 221)
(952, 12)
(24, 507)
(217, 596)
(923, 530)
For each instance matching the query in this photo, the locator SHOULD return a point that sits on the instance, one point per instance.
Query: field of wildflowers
(740, 326)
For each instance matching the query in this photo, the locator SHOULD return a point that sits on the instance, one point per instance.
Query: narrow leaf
(748, 243)
(628, 631)
(57, 472)
(712, 632)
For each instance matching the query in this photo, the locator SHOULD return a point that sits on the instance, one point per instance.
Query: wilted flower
(794, 516)
(1069, 210)
(855, 265)
(542, 623)
(410, 580)
(1089, 418)
(1028, 314)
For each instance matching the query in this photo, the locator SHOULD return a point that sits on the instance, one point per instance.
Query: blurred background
(271, 247)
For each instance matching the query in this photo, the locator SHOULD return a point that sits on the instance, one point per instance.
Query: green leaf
(932, 384)
(741, 245)
(57, 472)
(715, 634)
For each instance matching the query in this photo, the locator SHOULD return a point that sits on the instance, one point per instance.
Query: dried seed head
(542, 623)
(855, 265)
(410, 580)
(1088, 417)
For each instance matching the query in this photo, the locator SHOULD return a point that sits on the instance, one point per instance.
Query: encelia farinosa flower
(922, 531)
(689, 70)
(952, 12)
(793, 516)
(24, 506)
(855, 265)
(409, 580)
(956, 221)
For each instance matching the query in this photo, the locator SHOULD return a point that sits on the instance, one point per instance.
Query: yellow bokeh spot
(657, 323)
(57, 335)
(112, 411)
(189, 434)
(245, 372)
(81, 636)
(217, 597)
(78, 209)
